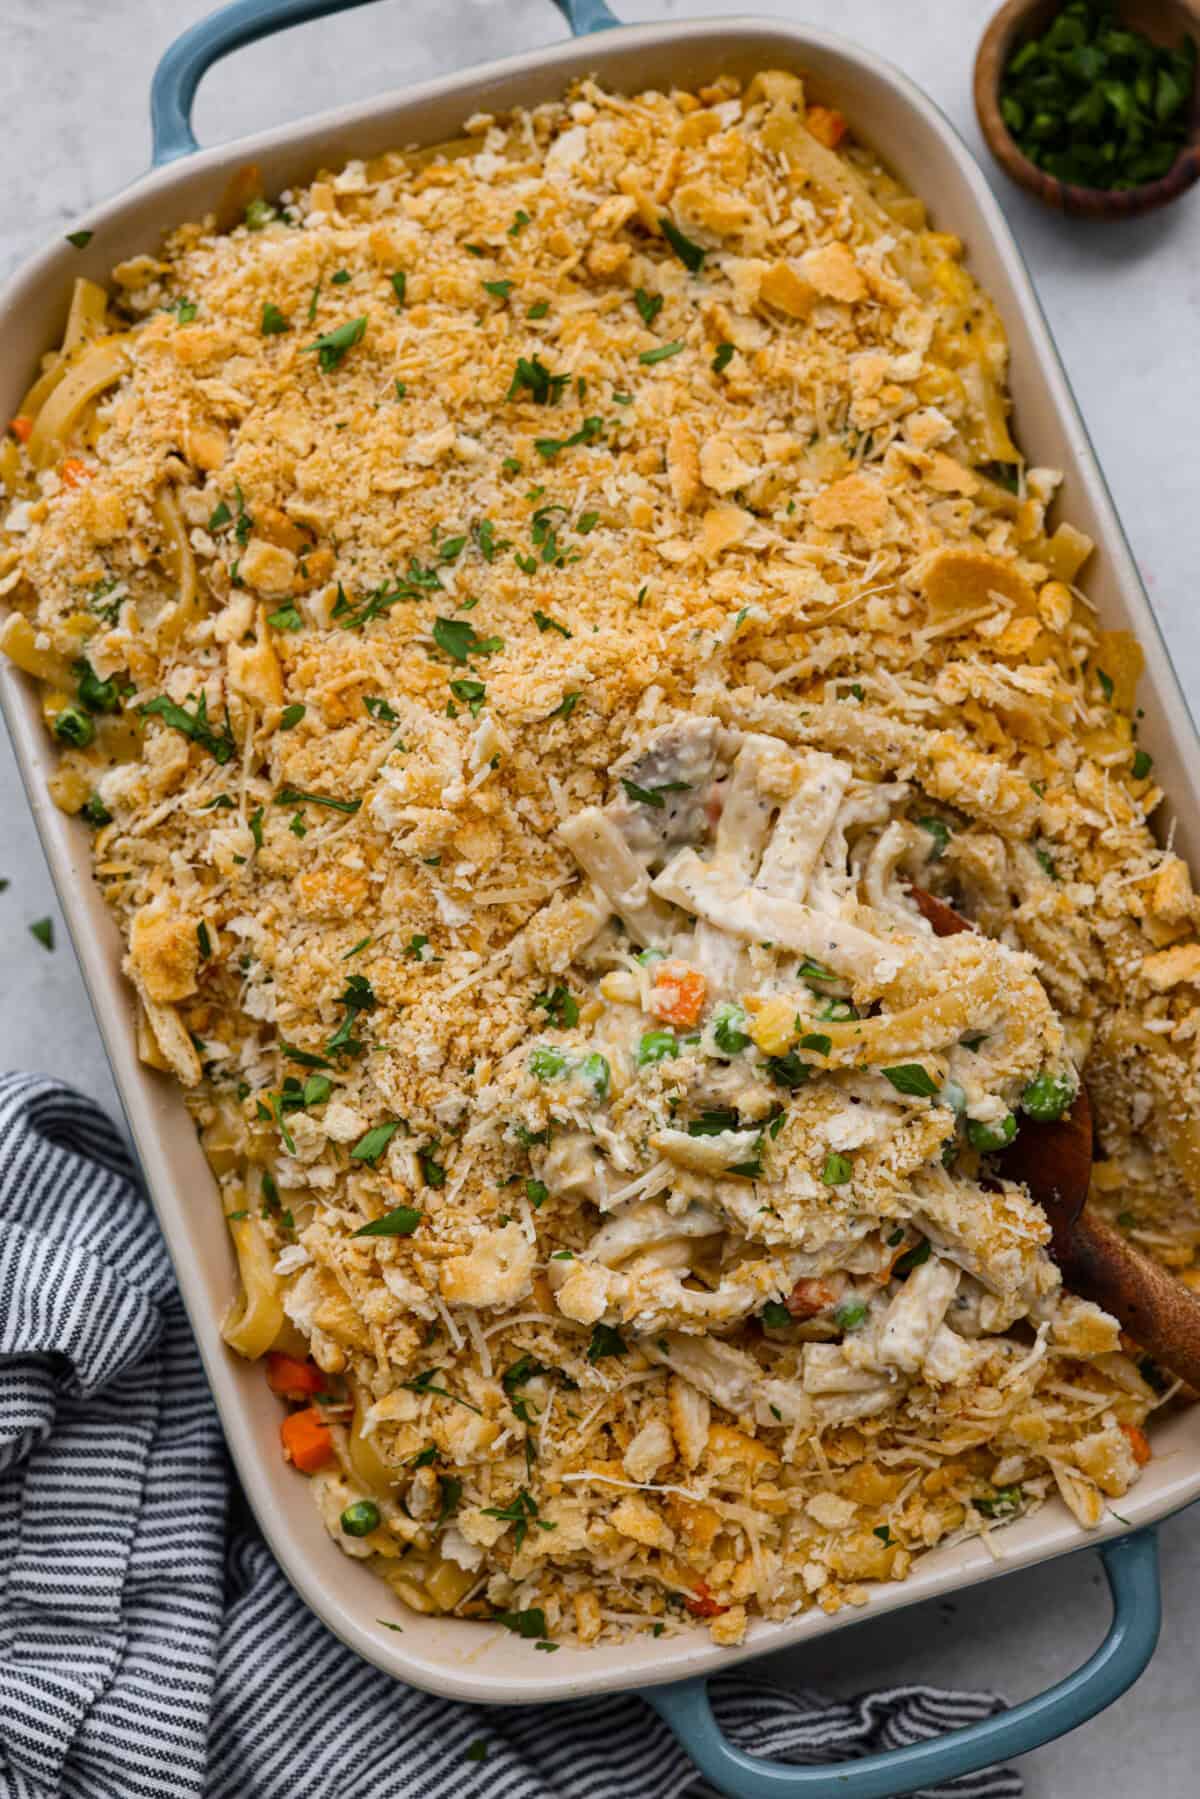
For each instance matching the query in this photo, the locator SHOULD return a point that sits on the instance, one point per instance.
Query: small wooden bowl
(1166, 22)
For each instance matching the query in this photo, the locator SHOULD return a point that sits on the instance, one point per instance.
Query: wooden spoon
(1055, 1162)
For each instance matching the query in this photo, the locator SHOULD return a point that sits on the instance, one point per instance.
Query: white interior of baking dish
(460, 1659)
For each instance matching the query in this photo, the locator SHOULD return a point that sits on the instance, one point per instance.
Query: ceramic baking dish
(456, 1658)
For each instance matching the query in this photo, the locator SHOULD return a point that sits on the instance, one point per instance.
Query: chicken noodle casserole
(520, 620)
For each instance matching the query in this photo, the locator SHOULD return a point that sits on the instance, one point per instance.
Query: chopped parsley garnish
(332, 346)
(341, 278)
(940, 833)
(204, 940)
(690, 255)
(912, 1079)
(432, 1172)
(400, 1222)
(1106, 686)
(538, 310)
(723, 357)
(536, 1192)
(653, 796)
(549, 447)
(544, 622)
(450, 548)
(714, 1122)
(294, 796)
(79, 240)
(661, 353)
(185, 310)
(287, 618)
(520, 1513)
(471, 693)
(776, 1314)
(313, 298)
(359, 996)
(533, 377)
(520, 220)
(1143, 762)
(100, 602)
(1046, 863)
(457, 637)
(837, 1170)
(501, 289)
(372, 1144)
(95, 812)
(606, 1341)
(560, 1006)
(490, 545)
(425, 1382)
(399, 282)
(565, 706)
(649, 305)
(379, 709)
(291, 715)
(788, 1071)
(817, 1042)
(914, 1257)
(195, 724)
(1001, 1503)
(273, 321)
(587, 521)
(531, 1623)
(43, 930)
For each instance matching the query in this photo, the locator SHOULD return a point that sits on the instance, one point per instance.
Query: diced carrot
(1139, 1443)
(677, 994)
(702, 1603)
(21, 427)
(73, 471)
(826, 125)
(293, 1379)
(307, 1441)
(808, 1298)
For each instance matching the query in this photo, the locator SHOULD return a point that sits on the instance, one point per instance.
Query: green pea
(991, 1136)
(837, 1170)
(728, 1034)
(595, 1070)
(654, 1046)
(95, 694)
(74, 727)
(361, 1518)
(850, 1314)
(776, 1315)
(1047, 1097)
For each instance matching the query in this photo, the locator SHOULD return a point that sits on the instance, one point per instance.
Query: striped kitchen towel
(150, 1648)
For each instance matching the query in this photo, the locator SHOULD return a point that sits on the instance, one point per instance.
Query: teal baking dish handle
(1131, 1564)
(193, 53)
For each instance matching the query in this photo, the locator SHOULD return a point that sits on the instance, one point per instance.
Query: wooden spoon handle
(1157, 1310)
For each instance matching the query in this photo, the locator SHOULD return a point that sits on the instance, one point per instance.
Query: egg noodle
(520, 620)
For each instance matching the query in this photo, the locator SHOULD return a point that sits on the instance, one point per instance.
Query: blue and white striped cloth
(150, 1648)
